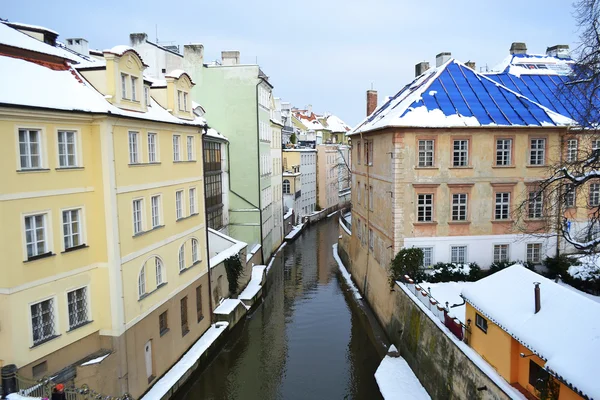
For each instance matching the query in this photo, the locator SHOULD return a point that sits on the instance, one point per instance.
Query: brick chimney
(538, 301)
(471, 64)
(518, 48)
(371, 101)
(421, 67)
(230, 57)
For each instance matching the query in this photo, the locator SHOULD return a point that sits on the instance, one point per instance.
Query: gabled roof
(453, 95)
(121, 49)
(177, 73)
(565, 332)
(310, 120)
(335, 124)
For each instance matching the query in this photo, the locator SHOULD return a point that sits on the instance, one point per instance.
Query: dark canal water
(307, 340)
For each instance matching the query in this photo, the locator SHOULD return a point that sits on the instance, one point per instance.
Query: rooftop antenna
(371, 85)
(156, 27)
(256, 60)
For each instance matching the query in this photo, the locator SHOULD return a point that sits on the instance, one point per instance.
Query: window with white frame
(426, 149)
(481, 322)
(152, 155)
(182, 257)
(36, 237)
(537, 151)
(370, 197)
(176, 148)
(192, 195)
(459, 207)
(286, 186)
(425, 208)
(594, 194)
(569, 195)
(30, 148)
(78, 307)
(190, 149)
(358, 192)
(158, 265)
(502, 208)
(43, 321)
(147, 95)
(179, 204)
(427, 256)
(185, 101)
(179, 100)
(134, 152)
(71, 220)
(536, 204)
(458, 254)
(124, 86)
(142, 282)
(571, 150)
(460, 155)
(67, 149)
(503, 152)
(155, 210)
(371, 239)
(534, 253)
(137, 216)
(500, 252)
(134, 88)
(195, 252)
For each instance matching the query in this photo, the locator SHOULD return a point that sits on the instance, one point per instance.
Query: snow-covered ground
(345, 273)
(397, 381)
(589, 296)
(448, 292)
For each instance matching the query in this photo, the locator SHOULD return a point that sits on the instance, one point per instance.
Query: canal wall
(442, 367)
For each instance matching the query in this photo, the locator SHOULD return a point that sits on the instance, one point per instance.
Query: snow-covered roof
(453, 95)
(155, 82)
(310, 120)
(29, 26)
(121, 49)
(82, 61)
(335, 124)
(176, 73)
(565, 332)
(213, 133)
(535, 64)
(14, 38)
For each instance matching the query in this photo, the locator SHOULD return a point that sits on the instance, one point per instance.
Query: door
(148, 359)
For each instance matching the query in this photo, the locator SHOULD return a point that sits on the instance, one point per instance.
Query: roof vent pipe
(538, 302)
(442, 58)
(518, 48)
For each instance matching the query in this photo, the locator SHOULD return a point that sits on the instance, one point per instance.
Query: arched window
(159, 271)
(286, 186)
(182, 257)
(142, 282)
(195, 251)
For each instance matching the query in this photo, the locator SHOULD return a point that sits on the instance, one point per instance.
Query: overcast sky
(321, 52)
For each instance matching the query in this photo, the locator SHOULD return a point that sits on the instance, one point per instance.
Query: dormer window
(147, 95)
(179, 95)
(124, 86)
(134, 88)
(185, 101)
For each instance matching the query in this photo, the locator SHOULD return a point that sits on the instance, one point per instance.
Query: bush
(448, 272)
(558, 266)
(408, 261)
(234, 269)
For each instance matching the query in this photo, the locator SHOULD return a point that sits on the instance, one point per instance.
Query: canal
(307, 340)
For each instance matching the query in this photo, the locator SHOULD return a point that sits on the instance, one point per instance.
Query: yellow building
(530, 341)
(102, 215)
(327, 176)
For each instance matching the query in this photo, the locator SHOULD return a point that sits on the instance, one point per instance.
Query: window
(595, 194)
(147, 95)
(425, 208)
(426, 153)
(371, 239)
(571, 150)
(368, 152)
(427, 256)
(358, 192)
(78, 312)
(134, 88)
(358, 152)
(155, 202)
(502, 209)
(199, 313)
(460, 157)
(179, 204)
(215, 219)
(35, 235)
(184, 317)
(124, 86)
(133, 148)
(535, 204)
(458, 254)
(459, 207)
(137, 216)
(176, 148)
(152, 148)
(595, 145)
(503, 152)
(182, 257)
(534, 252)
(163, 323)
(72, 228)
(192, 195)
(67, 149)
(569, 195)
(481, 322)
(158, 265)
(190, 148)
(500, 252)
(30, 148)
(371, 197)
(286, 186)
(195, 257)
(538, 376)
(537, 151)
(142, 282)
(179, 95)
(42, 321)
(185, 101)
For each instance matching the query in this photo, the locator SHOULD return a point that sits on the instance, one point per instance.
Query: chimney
(421, 67)
(559, 50)
(137, 39)
(538, 302)
(78, 45)
(442, 58)
(471, 64)
(518, 48)
(371, 101)
(230, 57)
(309, 109)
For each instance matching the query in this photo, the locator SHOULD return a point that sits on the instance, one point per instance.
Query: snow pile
(295, 231)
(397, 381)
(565, 332)
(588, 270)
(227, 306)
(255, 283)
(169, 380)
(96, 360)
(288, 213)
(17, 396)
(345, 273)
(448, 292)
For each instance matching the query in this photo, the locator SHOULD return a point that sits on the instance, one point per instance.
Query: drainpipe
(210, 304)
(559, 202)
(366, 200)
(262, 250)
